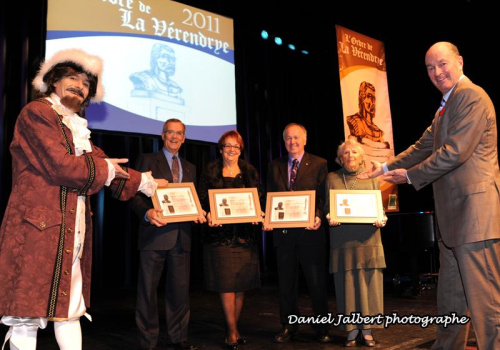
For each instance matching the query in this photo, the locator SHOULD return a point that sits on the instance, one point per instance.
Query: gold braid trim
(56, 275)
(91, 166)
(121, 184)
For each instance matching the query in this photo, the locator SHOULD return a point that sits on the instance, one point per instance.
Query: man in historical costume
(46, 233)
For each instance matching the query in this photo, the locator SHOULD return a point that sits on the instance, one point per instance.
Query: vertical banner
(365, 101)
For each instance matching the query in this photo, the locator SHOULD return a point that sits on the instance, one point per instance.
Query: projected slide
(162, 59)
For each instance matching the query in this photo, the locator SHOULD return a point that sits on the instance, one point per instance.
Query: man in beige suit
(458, 154)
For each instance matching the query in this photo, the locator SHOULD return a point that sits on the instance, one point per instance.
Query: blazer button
(66, 272)
(70, 230)
(42, 224)
(68, 251)
(64, 293)
(72, 211)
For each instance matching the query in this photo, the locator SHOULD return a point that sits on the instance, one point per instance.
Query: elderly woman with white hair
(356, 252)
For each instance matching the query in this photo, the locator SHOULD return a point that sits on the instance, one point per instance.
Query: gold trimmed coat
(37, 232)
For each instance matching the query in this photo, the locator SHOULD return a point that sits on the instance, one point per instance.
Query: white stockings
(68, 334)
(23, 332)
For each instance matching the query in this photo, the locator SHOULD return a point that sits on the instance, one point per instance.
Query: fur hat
(89, 63)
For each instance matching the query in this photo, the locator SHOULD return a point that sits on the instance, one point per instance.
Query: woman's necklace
(231, 172)
(345, 182)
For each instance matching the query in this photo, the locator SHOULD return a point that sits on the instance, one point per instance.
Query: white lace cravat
(77, 125)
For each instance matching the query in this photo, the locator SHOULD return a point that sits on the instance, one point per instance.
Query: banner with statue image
(365, 101)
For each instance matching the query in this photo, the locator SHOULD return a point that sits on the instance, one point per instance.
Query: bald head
(444, 65)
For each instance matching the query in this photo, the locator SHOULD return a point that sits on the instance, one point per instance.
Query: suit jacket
(311, 175)
(150, 236)
(458, 155)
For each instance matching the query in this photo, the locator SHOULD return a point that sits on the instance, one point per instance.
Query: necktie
(293, 174)
(175, 168)
(441, 108)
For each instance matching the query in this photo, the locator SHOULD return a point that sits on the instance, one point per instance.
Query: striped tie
(293, 174)
(175, 169)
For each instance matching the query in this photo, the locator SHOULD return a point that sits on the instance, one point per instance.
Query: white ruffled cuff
(148, 184)
(111, 172)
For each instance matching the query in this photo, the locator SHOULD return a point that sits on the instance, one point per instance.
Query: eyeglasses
(227, 145)
(172, 132)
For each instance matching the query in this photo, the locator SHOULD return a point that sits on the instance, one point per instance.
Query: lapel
(303, 167)
(162, 166)
(283, 170)
(440, 127)
(443, 119)
(186, 171)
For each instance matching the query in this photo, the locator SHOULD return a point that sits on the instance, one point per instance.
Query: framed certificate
(290, 209)
(178, 201)
(234, 205)
(356, 206)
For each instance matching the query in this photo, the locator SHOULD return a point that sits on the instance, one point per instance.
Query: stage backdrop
(365, 101)
(162, 59)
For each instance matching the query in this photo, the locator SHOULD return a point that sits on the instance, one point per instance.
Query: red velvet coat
(37, 232)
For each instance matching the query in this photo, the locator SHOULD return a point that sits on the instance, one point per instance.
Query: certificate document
(178, 202)
(290, 209)
(356, 206)
(234, 205)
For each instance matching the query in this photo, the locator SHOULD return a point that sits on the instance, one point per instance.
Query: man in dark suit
(304, 246)
(163, 244)
(458, 155)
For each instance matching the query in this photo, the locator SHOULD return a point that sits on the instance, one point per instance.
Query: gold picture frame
(356, 206)
(234, 205)
(289, 209)
(179, 202)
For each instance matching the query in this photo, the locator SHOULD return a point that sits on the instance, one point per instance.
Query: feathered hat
(89, 63)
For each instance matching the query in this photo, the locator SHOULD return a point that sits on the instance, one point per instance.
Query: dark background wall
(274, 86)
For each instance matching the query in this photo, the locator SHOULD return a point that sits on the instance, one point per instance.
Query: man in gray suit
(163, 244)
(458, 155)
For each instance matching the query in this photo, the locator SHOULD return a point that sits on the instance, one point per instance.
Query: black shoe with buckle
(242, 341)
(285, 335)
(231, 346)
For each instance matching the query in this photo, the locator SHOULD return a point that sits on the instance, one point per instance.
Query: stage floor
(113, 325)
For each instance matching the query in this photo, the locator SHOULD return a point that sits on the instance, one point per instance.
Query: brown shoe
(285, 335)
(369, 343)
(350, 343)
(324, 337)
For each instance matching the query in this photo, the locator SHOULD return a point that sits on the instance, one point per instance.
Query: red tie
(175, 169)
(293, 174)
(441, 108)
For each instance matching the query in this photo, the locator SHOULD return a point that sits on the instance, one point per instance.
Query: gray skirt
(230, 268)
